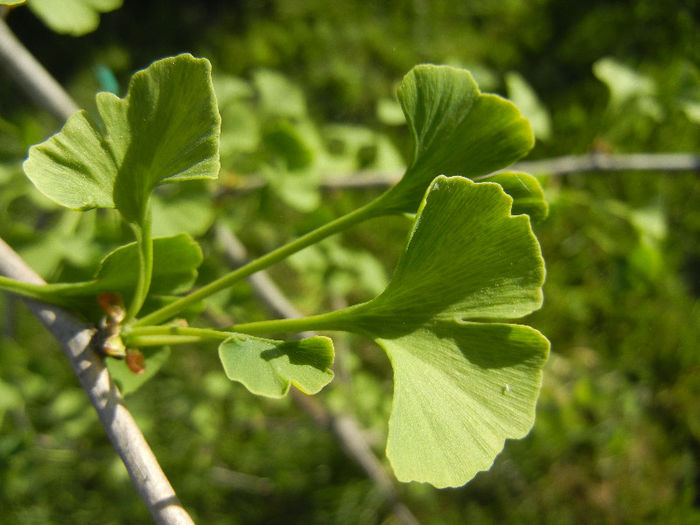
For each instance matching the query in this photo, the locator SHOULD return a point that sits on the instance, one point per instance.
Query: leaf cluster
(470, 383)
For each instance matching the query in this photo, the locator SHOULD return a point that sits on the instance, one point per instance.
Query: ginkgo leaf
(467, 258)
(526, 192)
(175, 258)
(74, 17)
(460, 389)
(165, 130)
(523, 96)
(267, 367)
(456, 130)
(175, 263)
(462, 386)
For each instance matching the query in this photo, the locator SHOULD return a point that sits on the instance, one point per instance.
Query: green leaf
(268, 368)
(278, 96)
(526, 192)
(175, 263)
(627, 85)
(467, 258)
(523, 96)
(460, 388)
(176, 260)
(11, 2)
(165, 130)
(74, 17)
(456, 131)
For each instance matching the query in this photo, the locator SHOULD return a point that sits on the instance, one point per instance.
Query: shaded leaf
(175, 263)
(268, 367)
(526, 192)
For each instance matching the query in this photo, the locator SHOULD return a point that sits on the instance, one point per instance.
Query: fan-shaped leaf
(268, 368)
(460, 388)
(74, 17)
(527, 194)
(165, 130)
(456, 130)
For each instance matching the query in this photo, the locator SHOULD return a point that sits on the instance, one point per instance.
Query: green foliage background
(617, 436)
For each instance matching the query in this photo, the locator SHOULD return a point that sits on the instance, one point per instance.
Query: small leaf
(175, 263)
(165, 130)
(523, 96)
(527, 194)
(456, 131)
(74, 17)
(267, 367)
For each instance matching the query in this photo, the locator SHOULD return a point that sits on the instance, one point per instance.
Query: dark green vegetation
(617, 432)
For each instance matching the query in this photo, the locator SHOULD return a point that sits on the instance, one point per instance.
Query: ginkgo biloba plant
(464, 379)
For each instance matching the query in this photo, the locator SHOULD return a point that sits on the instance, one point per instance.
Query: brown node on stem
(135, 361)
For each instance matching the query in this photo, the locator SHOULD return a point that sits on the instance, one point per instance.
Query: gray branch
(74, 338)
(557, 166)
(597, 162)
(345, 427)
(19, 64)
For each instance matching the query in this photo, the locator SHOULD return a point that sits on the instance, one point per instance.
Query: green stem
(342, 223)
(144, 242)
(165, 335)
(49, 293)
(340, 320)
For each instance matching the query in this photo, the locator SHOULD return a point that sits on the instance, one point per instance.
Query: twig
(597, 162)
(74, 338)
(557, 166)
(19, 63)
(345, 427)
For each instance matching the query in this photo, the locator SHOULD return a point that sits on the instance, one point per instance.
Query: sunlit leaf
(268, 367)
(461, 387)
(74, 17)
(456, 130)
(165, 130)
(467, 258)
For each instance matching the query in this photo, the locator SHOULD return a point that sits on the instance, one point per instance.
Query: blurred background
(617, 435)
